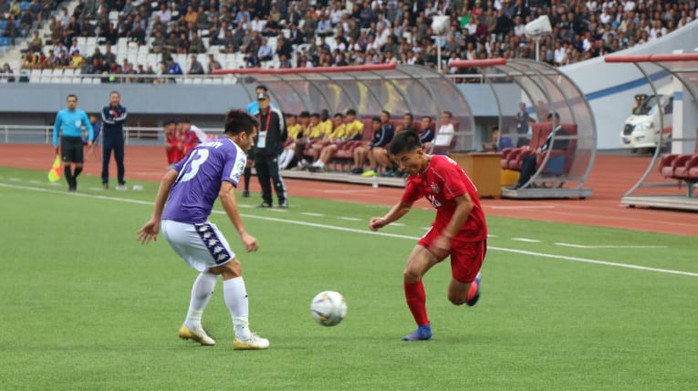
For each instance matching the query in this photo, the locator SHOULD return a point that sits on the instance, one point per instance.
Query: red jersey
(440, 183)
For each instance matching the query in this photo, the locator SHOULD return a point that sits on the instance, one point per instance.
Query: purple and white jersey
(200, 176)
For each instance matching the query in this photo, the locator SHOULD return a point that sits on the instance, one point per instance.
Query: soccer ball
(328, 308)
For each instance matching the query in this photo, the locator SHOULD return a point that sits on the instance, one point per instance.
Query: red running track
(610, 177)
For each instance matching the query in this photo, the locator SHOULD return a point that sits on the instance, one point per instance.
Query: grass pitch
(84, 306)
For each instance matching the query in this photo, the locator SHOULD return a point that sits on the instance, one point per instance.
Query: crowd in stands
(312, 33)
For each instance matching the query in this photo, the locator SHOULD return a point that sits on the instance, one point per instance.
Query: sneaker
(198, 335)
(246, 194)
(255, 342)
(357, 171)
(105, 186)
(474, 292)
(264, 205)
(121, 187)
(284, 204)
(368, 173)
(423, 333)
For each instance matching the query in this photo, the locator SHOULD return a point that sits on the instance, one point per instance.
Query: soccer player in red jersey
(459, 229)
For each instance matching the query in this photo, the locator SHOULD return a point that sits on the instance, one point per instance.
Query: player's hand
(58, 150)
(149, 231)
(251, 244)
(89, 143)
(441, 246)
(376, 223)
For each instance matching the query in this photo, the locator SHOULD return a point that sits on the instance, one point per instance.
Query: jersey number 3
(194, 163)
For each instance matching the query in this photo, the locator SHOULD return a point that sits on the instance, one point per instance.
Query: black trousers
(113, 142)
(528, 168)
(267, 167)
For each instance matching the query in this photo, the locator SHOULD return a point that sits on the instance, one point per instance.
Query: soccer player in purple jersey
(182, 207)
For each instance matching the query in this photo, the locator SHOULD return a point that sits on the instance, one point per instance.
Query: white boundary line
(366, 232)
(604, 246)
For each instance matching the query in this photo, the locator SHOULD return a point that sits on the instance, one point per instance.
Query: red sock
(417, 301)
(472, 291)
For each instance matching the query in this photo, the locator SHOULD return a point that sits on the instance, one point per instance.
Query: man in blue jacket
(113, 118)
(69, 123)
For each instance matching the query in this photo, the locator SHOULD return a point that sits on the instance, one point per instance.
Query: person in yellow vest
(316, 131)
(325, 149)
(353, 131)
(295, 131)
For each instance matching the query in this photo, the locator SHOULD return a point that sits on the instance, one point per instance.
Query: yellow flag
(54, 175)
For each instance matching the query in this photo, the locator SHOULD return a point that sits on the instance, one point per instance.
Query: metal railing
(43, 134)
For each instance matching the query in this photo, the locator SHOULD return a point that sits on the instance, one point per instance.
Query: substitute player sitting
(459, 229)
(212, 170)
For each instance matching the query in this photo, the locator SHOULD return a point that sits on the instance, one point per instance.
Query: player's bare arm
(464, 204)
(150, 230)
(396, 212)
(227, 197)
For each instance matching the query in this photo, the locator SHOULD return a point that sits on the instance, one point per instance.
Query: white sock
(235, 296)
(201, 293)
(286, 157)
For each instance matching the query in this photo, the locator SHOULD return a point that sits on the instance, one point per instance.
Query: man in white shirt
(164, 14)
(445, 134)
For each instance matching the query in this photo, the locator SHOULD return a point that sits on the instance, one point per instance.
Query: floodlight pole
(538, 49)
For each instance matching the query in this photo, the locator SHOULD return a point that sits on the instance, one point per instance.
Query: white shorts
(201, 245)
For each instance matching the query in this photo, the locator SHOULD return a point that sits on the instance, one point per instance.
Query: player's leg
(107, 148)
(78, 159)
(67, 158)
(420, 261)
(201, 292)
(277, 180)
(466, 261)
(119, 157)
(260, 164)
(247, 174)
(235, 295)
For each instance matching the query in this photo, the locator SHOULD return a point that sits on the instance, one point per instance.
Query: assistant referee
(69, 122)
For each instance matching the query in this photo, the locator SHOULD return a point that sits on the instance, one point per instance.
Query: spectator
(529, 163)
(375, 152)
(213, 64)
(173, 67)
(295, 131)
(195, 67)
(427, 134)
(444, 136)
(7, 75)
(523, 126)
(497, 143)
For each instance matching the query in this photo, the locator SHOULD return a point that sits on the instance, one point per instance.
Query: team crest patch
(435, 188)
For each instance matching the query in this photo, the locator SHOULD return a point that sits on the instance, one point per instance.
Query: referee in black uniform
(269, 143)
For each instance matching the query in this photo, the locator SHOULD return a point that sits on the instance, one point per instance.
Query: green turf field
(84, 306)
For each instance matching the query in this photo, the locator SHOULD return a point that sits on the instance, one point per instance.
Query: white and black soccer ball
(328, 308)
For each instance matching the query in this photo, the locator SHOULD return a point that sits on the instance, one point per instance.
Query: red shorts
(466, 257)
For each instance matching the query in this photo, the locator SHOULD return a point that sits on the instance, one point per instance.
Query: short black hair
(404, 142)
(169, 122)
(351, 112)
(185, 121)
(376, 119)
(71, 96)
(450, 115)
(315, 115)
(409, 115)
(238, 121)
(305, 114)
(386, 113)
(262, 87)
(556, 115)
(340, 115)
(428, 117)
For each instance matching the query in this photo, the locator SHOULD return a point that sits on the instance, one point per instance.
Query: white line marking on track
(349, 218)
(605, 246)
(527, 240)
(523, 207)
(366, 232)
(313, 214)
(349, 191)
